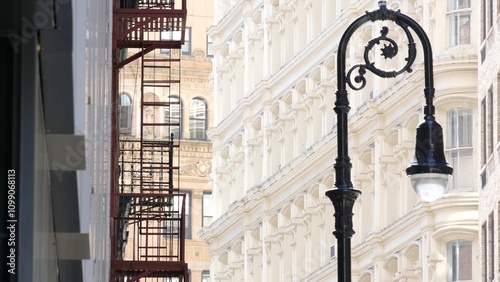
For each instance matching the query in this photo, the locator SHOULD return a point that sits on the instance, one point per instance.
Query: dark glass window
(205, 276)
(125, 113)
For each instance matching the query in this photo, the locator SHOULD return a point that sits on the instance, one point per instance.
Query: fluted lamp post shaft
(429, 171)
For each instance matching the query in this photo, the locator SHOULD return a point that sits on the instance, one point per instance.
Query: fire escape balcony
(147, 207)
(149, 25)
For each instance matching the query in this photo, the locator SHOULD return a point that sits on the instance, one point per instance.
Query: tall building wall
(92, 68)
(274, 144)
(488, 93)
(56, 86)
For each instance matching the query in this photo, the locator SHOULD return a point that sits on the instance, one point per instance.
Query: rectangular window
(188, 215)
(458, 4)
(490, 14)
(198, 119)
(484, 251)
(483, 132)
(460, 128)
(483, 178)
(173, 279)
(205, 276)
(498, 234)
(173, 213)
(460, 260)
(173, 117)
(332, 251)
(498, 106)
(186, 47)
(210, 47)
(491, 248)
(176, 35)
(483, 53)
(125, 113)
(459, 29)
(491, 139)
(208, 209)
(459, 149)
(459, 22)
(483, 21)
(128, 4)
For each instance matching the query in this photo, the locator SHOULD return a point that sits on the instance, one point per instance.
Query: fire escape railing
(147, 209)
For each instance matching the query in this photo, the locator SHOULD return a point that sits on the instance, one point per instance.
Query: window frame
(484, 251)
(167, 118)
(203, 209)
(186, 48)
(491, 15)
(460, 146)
(205, 275)
(187, 221)
(483, 20)
(454, 15)
(484, 134)
(210, 47)
(176, 279)
(187, 218)
(193, 130)
(491, 247)
(125, 129)
(453, 247)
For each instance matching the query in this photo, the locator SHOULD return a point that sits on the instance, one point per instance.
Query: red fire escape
(147, 210)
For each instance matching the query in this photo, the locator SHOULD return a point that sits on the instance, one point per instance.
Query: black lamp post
(429, 171)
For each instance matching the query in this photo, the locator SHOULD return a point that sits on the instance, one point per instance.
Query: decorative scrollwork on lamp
(389, 50)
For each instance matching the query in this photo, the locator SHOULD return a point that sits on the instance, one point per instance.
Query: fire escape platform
(138, 28)
(153, 268)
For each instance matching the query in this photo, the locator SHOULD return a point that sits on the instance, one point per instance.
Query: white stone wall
(92, 23)
(489, 198)
(274, 144)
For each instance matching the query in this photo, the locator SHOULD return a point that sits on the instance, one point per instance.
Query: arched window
(173, 117)
(125, 113)
(198, 119)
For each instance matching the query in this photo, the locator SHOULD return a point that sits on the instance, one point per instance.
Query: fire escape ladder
(147, 207)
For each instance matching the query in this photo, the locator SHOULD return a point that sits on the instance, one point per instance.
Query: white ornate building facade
(274, 144)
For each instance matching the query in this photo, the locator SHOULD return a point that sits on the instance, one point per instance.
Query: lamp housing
(429, 172)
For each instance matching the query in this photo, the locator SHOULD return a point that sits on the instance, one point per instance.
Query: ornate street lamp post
(429, 171)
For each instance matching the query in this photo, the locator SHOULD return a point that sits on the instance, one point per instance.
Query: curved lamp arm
(429, 150)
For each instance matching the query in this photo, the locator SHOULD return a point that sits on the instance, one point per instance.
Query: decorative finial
(381, 3)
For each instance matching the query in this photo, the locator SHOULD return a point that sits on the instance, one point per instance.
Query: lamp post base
(343, 202)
